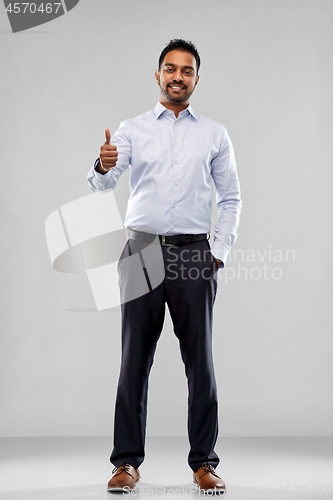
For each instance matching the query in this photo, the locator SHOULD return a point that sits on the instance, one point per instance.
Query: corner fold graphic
(70, 4)
(87, 235)
(25, 15)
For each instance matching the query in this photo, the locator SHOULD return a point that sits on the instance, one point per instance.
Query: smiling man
(177, 79)
(175, 156)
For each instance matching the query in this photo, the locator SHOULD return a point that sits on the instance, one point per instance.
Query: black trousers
(189, 289)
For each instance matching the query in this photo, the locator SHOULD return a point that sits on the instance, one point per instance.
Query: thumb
(107, 136)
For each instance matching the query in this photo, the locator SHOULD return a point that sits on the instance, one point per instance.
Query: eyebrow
(185, 67)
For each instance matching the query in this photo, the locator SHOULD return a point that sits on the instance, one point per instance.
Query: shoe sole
(118, 488)
(222, 491)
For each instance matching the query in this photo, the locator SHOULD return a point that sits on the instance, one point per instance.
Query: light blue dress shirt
(174, 162)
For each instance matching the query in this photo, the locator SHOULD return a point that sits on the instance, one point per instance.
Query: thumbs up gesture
(108, 154)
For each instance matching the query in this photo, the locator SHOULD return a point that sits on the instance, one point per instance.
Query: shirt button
(176, 124)
(177, 162)
(176, 142)
(176, 183)
(172, 227)
(174, 206)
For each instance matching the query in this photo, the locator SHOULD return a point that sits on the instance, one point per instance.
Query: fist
(108, 154)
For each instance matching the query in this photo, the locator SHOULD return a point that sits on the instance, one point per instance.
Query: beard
(175, 98)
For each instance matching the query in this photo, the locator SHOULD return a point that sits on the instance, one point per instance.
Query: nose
(178, 77)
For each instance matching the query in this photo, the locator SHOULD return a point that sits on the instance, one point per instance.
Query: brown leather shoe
(208, 481)
(124, 479)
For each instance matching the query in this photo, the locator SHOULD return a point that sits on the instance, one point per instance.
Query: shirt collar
(159, 109)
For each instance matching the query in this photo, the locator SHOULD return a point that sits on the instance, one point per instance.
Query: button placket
(176, 153)
(176, 159)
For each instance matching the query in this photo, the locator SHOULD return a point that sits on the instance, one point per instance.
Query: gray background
(267, 76)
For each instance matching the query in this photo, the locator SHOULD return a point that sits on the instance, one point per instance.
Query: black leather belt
(174, 240)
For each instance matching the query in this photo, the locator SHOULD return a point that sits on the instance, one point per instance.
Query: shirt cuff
(220, 252)
(101, 177)
(95, 165)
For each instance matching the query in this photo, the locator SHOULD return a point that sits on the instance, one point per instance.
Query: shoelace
(209, 468)
(123, 468)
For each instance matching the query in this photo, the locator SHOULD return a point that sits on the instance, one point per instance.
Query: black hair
(179, 44)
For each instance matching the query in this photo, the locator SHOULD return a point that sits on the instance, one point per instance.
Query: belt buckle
(166, 244)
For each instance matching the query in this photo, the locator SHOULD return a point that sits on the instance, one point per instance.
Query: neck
(176, 107)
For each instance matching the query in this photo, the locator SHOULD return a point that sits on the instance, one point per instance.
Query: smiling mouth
(176, 87)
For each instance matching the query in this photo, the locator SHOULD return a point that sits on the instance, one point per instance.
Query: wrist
(99, 168)
(219, 262)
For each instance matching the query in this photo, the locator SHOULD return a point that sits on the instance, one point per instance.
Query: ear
(157, 76)
(196, 80)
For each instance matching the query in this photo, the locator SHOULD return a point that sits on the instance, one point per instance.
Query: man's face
(177, 77)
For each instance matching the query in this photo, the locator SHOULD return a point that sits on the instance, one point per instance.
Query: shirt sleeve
(228, 199)
(121, 139)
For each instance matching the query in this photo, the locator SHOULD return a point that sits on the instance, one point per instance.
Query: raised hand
(108, 153)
